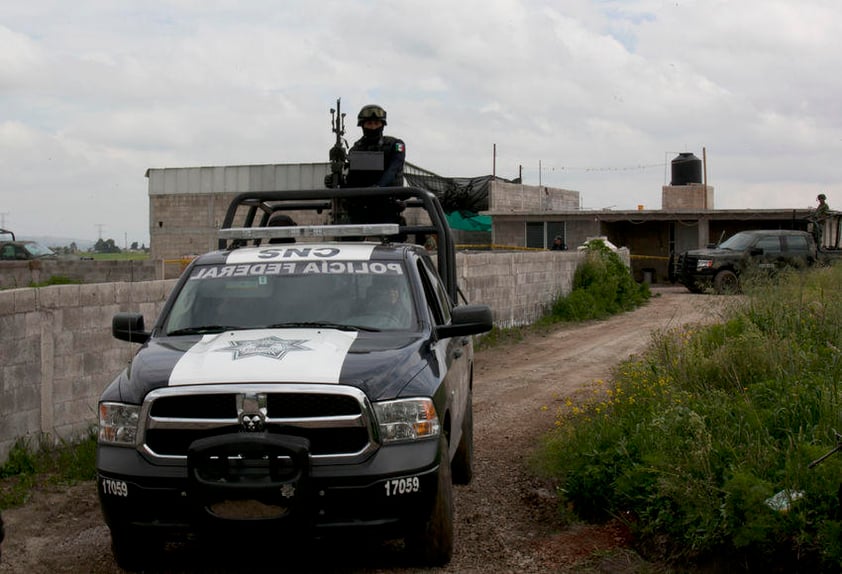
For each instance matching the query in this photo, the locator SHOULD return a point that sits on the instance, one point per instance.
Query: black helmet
(371, 112)
(822, 197)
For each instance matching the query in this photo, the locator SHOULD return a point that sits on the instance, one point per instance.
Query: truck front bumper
(395, 486)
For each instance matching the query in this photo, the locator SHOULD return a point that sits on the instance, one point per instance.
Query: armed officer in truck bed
(375, 160)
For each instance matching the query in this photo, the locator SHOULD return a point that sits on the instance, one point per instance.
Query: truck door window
(769, 245)
(435, 293)
(797, 244)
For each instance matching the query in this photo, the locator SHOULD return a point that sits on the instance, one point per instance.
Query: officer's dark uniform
(375, 160)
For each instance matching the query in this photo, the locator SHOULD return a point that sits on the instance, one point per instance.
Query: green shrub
(692, 440)
(602, 286)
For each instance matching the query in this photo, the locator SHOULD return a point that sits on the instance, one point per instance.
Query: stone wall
(515, 197)
(18, 274)
(57, 353)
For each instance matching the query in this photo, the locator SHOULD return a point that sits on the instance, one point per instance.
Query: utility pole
(99, 228)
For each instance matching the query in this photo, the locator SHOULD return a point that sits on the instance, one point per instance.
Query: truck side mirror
(129, 327)
(467, 320)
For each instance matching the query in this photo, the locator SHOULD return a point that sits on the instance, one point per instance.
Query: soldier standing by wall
(819, 217)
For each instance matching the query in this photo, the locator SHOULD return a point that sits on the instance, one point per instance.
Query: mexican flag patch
(399, 147)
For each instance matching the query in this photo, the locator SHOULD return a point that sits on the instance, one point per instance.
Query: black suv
(720, 267)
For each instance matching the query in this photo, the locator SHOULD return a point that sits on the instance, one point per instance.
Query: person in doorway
(558, 244)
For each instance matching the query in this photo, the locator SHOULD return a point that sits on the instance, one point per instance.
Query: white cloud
(601, 94)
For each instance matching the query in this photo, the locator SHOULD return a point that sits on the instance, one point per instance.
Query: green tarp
(467, 221)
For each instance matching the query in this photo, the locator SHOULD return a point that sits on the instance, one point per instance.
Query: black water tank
(686, 169)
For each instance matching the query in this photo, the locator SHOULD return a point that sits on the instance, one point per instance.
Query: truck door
(798, 250)
(772, 255)
(455, 351)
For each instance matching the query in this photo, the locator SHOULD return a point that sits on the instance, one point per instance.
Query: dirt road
(505, 518)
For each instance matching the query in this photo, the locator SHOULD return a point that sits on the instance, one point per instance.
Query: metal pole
(705, 172)
(494, 161)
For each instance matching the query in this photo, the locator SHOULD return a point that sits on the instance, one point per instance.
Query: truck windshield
(738, 242)
(37, 250)
(365, 295)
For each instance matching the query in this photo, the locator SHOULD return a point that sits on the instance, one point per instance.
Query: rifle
(832, 451)
(338, 153)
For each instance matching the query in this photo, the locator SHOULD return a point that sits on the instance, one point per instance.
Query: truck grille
(337, 420)
(686, 266)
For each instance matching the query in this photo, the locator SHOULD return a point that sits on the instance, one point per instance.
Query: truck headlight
(702, 264)
(118, 423)
(407, 419)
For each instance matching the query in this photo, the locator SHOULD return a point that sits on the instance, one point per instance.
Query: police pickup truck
(720, 267)
(296, 383)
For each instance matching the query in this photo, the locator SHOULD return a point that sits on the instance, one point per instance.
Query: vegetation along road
(506, 519)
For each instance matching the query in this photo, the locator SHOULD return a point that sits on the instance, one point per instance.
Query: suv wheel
(726, 282)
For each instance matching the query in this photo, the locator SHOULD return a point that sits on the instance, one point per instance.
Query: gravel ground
(505, 519)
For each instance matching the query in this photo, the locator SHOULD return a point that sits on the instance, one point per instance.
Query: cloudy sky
(592, 95)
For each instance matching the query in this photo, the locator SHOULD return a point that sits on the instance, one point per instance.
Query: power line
(545, 168)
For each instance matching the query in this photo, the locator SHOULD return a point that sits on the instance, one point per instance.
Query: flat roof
(641, 215)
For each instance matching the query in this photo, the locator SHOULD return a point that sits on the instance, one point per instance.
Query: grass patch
(122, 256)
(34, 463)
(56, 280)
(690, 441)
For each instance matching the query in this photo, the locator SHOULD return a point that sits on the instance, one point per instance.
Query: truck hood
(711, 252)
(379, 364)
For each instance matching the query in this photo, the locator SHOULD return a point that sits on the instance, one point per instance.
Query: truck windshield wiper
(204, 329)
(321, 324)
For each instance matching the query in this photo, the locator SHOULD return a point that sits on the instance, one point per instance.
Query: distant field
(125, 256)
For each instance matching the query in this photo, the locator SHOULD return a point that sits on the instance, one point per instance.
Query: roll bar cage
(259, 206)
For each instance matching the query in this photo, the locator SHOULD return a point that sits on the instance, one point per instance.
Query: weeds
(690, 441)
(33, 463)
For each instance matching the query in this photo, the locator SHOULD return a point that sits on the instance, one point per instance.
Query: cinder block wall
(57, 353)
(20, 274)
(519, 286)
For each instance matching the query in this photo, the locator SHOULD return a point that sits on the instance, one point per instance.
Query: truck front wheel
(726, 282)
(134, 549)
(463, 461)
(432, 541)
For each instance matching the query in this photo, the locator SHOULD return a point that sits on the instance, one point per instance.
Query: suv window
(798, 244)
(769, 244)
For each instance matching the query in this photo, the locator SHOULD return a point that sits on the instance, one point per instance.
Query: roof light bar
(379, 229)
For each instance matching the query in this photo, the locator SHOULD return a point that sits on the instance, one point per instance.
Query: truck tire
(431, 543)
(463, 461)
(726, 282)
(134, 549)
